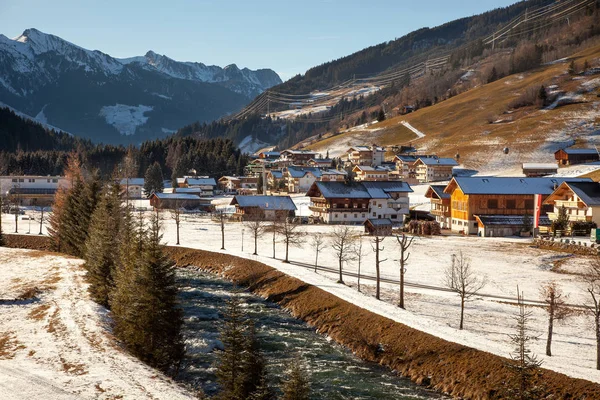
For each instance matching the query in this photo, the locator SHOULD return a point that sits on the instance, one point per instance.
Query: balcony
(568, 204)
(440, 213)
(316, 208)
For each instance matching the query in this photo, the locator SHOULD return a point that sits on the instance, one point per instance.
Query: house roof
(321, 160)
(512, 220)
(509, 185)
(438, 161)
(290, 151)
(188, 190)
(367, 168)
(405, 158)
(277, 174)
(133, 181)
(299, 172)
(548, 166)
(270, 154)
(201, 181)
(588, 192)
(176, 196)
(379, 222)
(438, 190)
(229, 178)
(579, 151)
(265, 202)
(360, 190)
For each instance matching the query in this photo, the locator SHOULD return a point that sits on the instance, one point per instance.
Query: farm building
(572, 156)
(535, 170)
(172, 201)
(264, 208)
(378, 227)
(504, 225)
(208, 185)
(296, 157)
(368, 173)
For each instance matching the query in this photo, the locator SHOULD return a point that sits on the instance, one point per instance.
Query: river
(335, 373)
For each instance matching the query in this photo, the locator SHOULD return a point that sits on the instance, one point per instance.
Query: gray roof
(201, 181)
(404, 158)
(588, 192)
(580, 151)
(177, 196)
(509, 185)
(188, 190)
(361, 190)
(439, 190)
(438, 161)
(265, 202)
(512, 220)
(545, 166)
(379, 222)
(133, 181)
(299, 172)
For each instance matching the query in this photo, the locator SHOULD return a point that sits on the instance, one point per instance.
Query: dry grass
(29, 293)
(9, 345)
(39, 312)
(594, 175)
(73, 368)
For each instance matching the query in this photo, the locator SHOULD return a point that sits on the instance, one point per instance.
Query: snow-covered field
(59, 343)
(125, 118)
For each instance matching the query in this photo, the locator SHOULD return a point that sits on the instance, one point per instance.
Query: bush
(586, 226)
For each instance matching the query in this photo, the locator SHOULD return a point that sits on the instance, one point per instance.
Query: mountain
(115, 100)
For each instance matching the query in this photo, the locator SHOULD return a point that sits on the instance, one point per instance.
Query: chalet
(504, 225)
(269, 155)
(238, 184)
(434, 169)
(299, 179)
(440, 205)
(173, 201)
(405, 165)
(258, 166)
(133, 188)
(536, 170)
(208, 185)
(365, 155)
(570, 156)
(474, 196)
(264, 208)
(580, 199)
(275, 180)
(378, 227)
(351, 203)
(320, 162)
(31, 190)
(296, 157)
(368, 173)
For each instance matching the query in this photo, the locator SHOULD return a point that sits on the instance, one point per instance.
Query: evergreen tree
(153, 179)
(253, 365)
(542, 96)
(68, 232)
(259, 184)
(101, 244)
(381, 115)
(85, 204)
(562, 220)
(493, 75)
(297, 385)
(572, 68)
(2, 240)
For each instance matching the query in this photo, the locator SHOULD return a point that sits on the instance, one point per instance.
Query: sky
(287, 36)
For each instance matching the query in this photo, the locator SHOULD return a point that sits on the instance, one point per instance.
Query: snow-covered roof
(379, 222)
(270, 154)
(509, 185)
(188, 190)
(367, 168)
(299, 172)
(512, 220)
(176, 196)
(438, 161)
(321, 160)
(133, 181)
(229, 178)
(359, 148)
(588, 192)
(360, 190)
(544, 166)
(405, 158)
(333, 172)
(201, 181)
(265, 202)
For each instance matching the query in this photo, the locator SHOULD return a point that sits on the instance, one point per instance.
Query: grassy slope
(460, 124)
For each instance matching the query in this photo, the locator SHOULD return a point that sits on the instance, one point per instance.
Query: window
(511, 204)
(21, 180)
(379, 206)
(492, 203)
(374, 214)
(355, 215)
(394, 216)
(48, 180)
(529, 204)
(345, 215)
(15, 180)
(363, 215)
(31, 180)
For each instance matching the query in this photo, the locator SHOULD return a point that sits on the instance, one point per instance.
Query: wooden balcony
(316, 208)
(440, 213)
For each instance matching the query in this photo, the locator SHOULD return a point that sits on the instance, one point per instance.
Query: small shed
(504, 225)
(535, 170)
(265, 208)
(570, 156)
(378, 227)
(172, 201)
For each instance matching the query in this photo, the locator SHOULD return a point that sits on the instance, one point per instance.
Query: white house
(206, 184)
(31, 190)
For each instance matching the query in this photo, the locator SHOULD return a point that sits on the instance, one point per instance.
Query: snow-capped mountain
(118, 100)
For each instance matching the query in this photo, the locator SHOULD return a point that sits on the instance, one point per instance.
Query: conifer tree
(297, 385)
(101, 244)
(153, 179)
(84, 206)
(68, 233)
(2, 240)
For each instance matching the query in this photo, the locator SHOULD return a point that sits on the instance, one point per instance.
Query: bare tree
(556, 308)
(318, 243)
(292, 235)
(461, 279)
(404, 243)
(376, 245)
(274, 228)
(358, 252)
(176, 216)
(256, 225)
(342, 243)
(592, 280)
(42, 209)
(221, 218)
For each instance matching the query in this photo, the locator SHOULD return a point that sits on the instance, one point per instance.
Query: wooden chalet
(368, 173)
(580, 199)
(297, 157)
(378, 227)
(570, 156)
(365, 155)
(434, 169)
(440, 205)
(485, 196)
(31, 190)
(263, 208)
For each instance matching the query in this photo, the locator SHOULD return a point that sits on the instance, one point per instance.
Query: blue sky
(287, 36)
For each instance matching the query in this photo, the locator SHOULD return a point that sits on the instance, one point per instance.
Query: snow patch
(125, 118)
(412, 128)
(251, 145)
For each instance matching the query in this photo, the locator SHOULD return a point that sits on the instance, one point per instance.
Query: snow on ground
(300, 111)
(125, 118)
(412, 128)
(60, 343)
(251, 145)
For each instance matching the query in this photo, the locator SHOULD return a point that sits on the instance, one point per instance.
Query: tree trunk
(377, 268)
(341, 280)
(598, 339)
(358, 284)
(41, 221)
(316, 260)
(273, 244)
(401, 303)
(462, 311)
(255, 244)
(177, 232)
(287, 249)
(222, 236)
(550, 328)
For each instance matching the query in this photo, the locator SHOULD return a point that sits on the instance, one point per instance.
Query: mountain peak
(29, 34)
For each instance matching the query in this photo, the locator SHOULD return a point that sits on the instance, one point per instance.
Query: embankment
(444, 366)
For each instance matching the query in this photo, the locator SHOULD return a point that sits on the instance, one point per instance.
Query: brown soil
(444, 366)
(28, 242)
